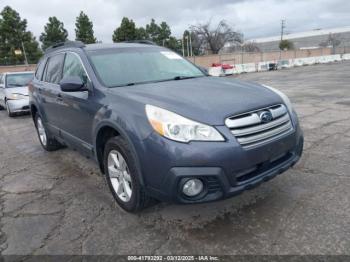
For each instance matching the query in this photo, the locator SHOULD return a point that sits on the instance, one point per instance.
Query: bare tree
(215, 38)
(332, 40)
(250, 47)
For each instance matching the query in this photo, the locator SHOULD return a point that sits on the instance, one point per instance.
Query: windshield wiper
(157, 81)
(184, 77)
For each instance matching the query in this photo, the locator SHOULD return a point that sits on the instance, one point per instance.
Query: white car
(14, 91)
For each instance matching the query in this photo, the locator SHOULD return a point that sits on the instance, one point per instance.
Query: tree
(159, 34)
(141, 33)
(54, 32)
(286, 45)
(84, 29)
(173, 44)
(332, 41)
(126, 31)
(214, 39)
(14, 36)
(250, 47)
(195, 42)
(152, 30)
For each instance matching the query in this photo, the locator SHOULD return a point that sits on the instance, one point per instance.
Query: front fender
(129, 125)
(33, 101)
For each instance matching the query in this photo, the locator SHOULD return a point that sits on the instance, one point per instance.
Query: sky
(254, 18)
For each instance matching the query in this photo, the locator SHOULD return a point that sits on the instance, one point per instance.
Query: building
(307, 40)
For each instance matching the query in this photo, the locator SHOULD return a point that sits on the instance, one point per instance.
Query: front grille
(250, 130)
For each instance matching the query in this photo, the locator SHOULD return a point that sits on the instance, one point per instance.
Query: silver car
(14, 91)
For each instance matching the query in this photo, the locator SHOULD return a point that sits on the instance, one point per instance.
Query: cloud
(255, 18)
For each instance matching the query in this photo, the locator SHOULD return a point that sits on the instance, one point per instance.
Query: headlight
(283, 96)
(16, 96)
(178, 128)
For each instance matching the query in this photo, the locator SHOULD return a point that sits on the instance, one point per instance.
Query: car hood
(23, 90)
(208, 100)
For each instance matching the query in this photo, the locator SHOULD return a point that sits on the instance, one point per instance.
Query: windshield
(16, 80)
(129, 66)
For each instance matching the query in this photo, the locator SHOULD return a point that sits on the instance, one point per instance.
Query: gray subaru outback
(158, 126)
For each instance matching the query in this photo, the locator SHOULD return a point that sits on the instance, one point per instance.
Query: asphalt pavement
(58, 203)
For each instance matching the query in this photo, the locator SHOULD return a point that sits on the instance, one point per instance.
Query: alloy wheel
(119, 175)
(41, 131)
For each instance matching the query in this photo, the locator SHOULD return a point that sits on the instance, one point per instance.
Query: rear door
(35, 89)
(50, 91)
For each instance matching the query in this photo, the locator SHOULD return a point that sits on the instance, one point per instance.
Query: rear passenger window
(54, 69)
(40, 69)
(73, 67)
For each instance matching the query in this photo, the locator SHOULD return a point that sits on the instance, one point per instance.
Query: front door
(79, 107)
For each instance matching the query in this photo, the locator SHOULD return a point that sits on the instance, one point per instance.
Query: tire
(127, 179)
(8, 110)
(45, 138)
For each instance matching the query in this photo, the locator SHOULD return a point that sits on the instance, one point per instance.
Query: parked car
(14, 91)
(158, 126)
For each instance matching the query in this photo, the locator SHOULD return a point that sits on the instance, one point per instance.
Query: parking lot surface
(58, 203)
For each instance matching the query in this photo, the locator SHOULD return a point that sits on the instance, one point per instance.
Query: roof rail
(56, 46)
(146, 42)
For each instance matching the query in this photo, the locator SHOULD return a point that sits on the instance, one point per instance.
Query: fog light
(192, 187)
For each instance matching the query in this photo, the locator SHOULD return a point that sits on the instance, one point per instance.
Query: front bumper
(218, 185)
(18, 105)
(225, 168)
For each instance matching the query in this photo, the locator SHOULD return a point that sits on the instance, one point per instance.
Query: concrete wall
(17, 68)
(303, 42)
(244, 58)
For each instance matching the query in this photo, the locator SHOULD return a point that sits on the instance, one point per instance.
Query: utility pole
(24, 50)
(25, 54)
(191, 44)
(183, 48)
(283, 26)
(188, 46)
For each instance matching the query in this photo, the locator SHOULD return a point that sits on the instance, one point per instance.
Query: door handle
(59, 97)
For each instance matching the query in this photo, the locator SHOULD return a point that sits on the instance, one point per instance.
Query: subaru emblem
(265, 116)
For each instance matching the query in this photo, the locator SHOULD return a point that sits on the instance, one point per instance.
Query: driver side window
(73, 67)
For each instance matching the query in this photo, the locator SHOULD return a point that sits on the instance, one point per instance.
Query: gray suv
(158, 126)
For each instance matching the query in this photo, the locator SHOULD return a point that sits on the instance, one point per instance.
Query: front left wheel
(122, 176)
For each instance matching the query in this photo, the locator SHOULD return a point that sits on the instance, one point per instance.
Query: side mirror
(72, 84)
